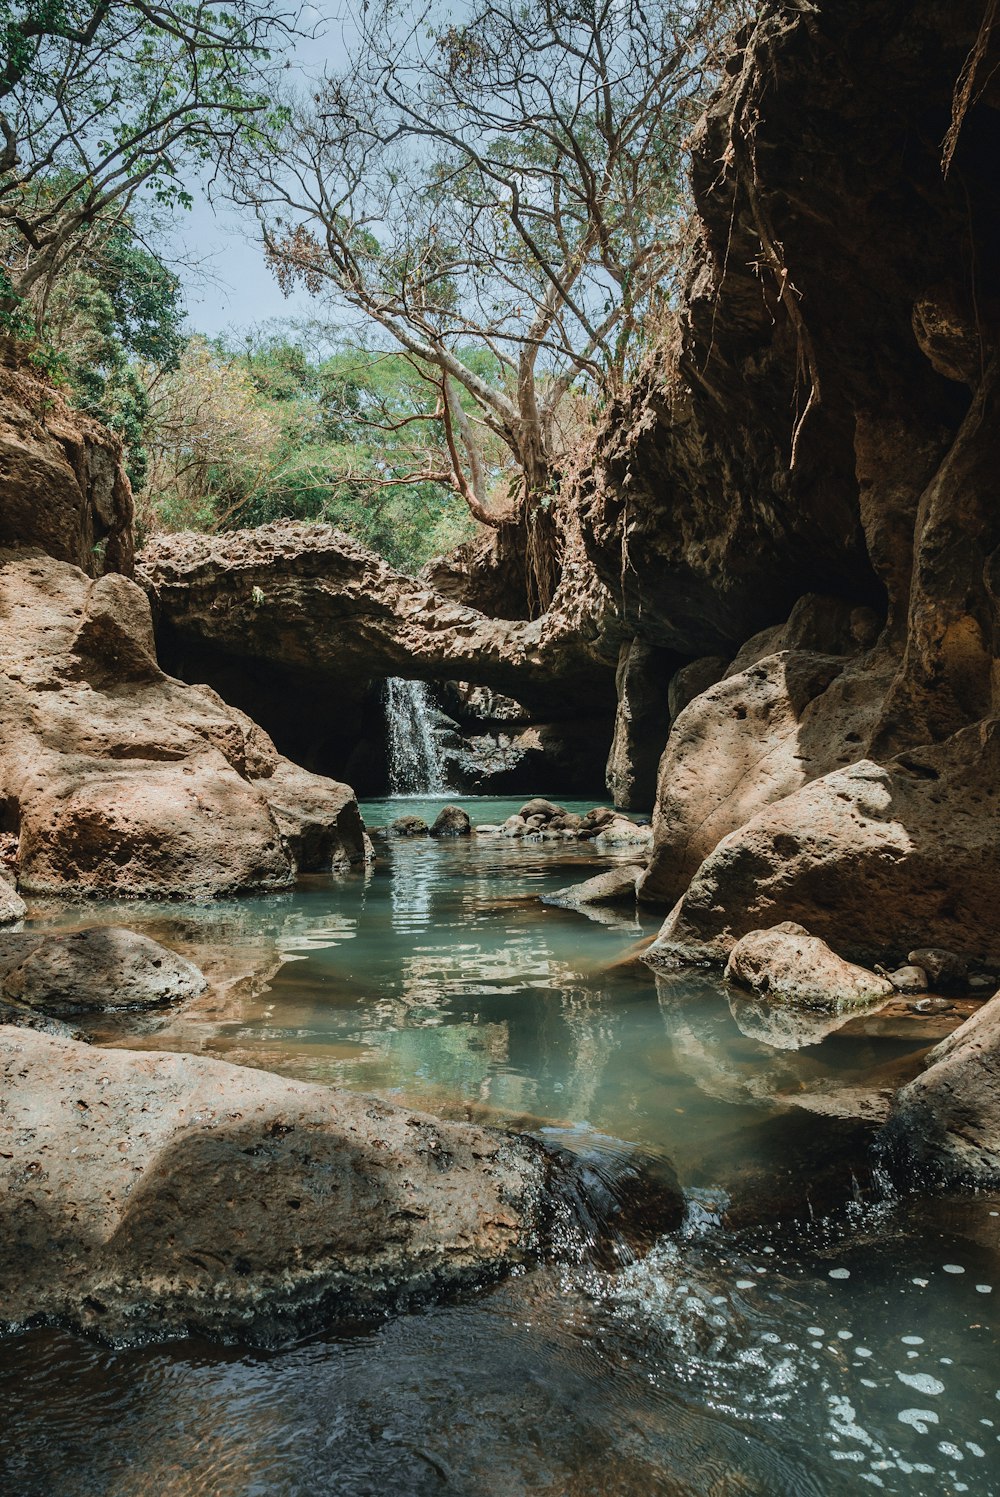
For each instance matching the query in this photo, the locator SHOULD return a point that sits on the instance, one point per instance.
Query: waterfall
(414, 761)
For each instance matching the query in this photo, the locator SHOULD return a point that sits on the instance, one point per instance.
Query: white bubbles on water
(918, 1419)
(840, 1273)
(745, 1284)
(984, 1288)
(947, 1448)
(953, 1268)
(862, 1351)
(922, 1382)
(815, 1330)
(974, 1449)
(912, 1340)
(920, 1283)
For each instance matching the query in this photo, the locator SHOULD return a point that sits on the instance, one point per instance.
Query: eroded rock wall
(825, 423)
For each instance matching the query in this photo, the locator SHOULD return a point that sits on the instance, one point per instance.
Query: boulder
(451, 821)
(539, 807)
(909, 979)
(946, 971)
(617, 886)
(876, 860)
(746, 742)
(620, 832)
(944, 1128)
(691, 680)
(154, 1193)
(120, 781)
(514, 826)
(12, 906)
(408, 826)
(788, 965)
(103, 967)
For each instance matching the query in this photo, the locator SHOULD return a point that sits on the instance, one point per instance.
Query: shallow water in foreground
(861, 1354)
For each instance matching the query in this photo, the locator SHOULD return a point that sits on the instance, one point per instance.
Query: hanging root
(963, 97)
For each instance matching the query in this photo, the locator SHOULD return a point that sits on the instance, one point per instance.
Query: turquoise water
(837, 1354)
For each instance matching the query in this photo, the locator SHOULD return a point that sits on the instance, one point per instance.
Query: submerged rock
(946, 971)
(104, 967)
(408, 826)
(789, 965)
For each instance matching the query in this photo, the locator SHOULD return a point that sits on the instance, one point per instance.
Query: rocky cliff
(803, 490)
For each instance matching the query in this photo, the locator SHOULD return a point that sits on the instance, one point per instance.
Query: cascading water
(415, 766)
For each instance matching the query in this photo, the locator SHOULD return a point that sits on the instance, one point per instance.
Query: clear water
(824, 1357)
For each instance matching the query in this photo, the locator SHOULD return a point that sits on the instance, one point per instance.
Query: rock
(64, 487)
(297, 623)
(617, 886)
(642, 720)
(747, 742)
(982, 983)
(514, 826)
(451, 821)
(566, 821)
(546, 809)
(28, 1018)
(789, 965)
(120, 781)
(12, 906)
(931, 1006)
(944, 1129)
(595, 819)
(946, 971)
(623, 833)
(488, 829)
(408, 826)
(870, 859)
(146, 1194)
(909, 980)
(103, 967)
(691, 680)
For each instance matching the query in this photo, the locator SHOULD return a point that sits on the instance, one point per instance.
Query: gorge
(640, 1130)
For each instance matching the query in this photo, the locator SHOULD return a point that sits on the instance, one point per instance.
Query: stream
(853, 1350)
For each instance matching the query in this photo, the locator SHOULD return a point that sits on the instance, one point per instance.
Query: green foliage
(242, 436)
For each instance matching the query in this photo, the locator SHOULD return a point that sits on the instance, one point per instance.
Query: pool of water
(835, 1354)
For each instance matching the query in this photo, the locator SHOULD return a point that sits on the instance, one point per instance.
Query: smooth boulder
(102, 968)
(12, 906)
(787, 965)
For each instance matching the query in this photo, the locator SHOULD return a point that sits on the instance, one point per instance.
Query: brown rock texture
(117, 779)
(62, 484)
(944, 1128)
(103, 967)
(804, 485)
(299, 622)
(150, 1193)
(792, 967)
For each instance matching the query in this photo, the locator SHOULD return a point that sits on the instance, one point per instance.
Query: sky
(230, 287)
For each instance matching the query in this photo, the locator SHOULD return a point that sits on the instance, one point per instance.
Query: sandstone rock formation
(146, 1193)
(617, 886)
(944, 1128)
(299, 621)
(118, 780)
(792, 967)
(63, 485)
(804, 487)
(103, 967)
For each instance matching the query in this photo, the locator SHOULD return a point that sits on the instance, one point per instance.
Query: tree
(101, 100)
(510, 182)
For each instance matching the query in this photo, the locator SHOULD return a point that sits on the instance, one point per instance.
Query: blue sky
(230, 286)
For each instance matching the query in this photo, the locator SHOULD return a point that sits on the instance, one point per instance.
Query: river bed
(841, 1353)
